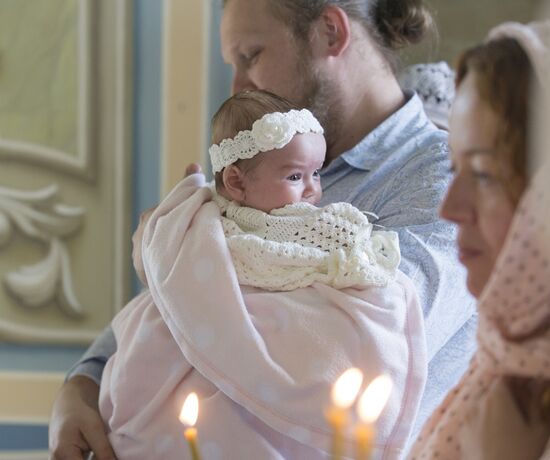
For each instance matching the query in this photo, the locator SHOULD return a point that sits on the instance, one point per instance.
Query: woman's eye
(482, 177)
(294, 177)
(484, 170)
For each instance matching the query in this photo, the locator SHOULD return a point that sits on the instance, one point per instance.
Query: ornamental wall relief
(39, 215)
(64, 167)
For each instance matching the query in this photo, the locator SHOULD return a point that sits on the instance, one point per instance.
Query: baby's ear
(233, 183)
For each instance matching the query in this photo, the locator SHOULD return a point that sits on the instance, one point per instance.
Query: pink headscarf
(514, 308)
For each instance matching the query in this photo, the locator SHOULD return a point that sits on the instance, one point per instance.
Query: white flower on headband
(272, 131)
(215, 150)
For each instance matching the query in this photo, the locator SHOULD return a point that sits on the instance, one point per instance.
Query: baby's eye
(316, 173)
(294, 177)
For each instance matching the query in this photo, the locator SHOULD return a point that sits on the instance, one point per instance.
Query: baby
(275, 163)
(257, 301)
(268, 182)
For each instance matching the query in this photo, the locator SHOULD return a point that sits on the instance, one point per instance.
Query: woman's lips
(467, 254)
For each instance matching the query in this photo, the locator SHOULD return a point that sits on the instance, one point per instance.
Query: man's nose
(241, 82)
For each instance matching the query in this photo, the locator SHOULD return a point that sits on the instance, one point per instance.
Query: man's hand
(137, 237)
(76, 427)
(193, 168)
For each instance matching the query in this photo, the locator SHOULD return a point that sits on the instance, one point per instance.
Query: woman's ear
(331, 32)
(233, 183)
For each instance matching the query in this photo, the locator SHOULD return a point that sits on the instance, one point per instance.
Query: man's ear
(331, 32)
(233, 182)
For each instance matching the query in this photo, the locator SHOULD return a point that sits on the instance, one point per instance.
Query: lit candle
(372, 402)
(343, 395)
(188, 416)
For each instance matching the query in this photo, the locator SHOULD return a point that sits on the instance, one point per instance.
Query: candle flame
(190, 410)
(346, 388)
(374, 398)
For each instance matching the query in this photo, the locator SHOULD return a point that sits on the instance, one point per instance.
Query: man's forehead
(247, 17)
(235, 29)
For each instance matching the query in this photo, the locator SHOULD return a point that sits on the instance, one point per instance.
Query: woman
(500, 409)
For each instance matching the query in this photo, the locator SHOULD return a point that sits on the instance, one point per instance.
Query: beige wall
(462, 23)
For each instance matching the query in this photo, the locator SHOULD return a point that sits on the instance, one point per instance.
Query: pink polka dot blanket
(262, 361)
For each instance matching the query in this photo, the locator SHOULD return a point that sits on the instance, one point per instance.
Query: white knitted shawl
(300, 244)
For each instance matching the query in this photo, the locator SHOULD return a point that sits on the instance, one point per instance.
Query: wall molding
(25, 455)
(186, 44)
(20, 333)
(81, 162)
(123, 147)
(27, 398)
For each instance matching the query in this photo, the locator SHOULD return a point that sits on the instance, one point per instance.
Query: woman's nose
(458, 205)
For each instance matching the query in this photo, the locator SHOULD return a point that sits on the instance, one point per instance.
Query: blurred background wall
(466, 22)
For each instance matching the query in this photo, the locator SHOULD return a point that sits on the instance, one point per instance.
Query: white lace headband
(272, 131)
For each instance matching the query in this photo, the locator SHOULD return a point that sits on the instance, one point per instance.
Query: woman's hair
(503, 77)
(240, 111)
(393, 24)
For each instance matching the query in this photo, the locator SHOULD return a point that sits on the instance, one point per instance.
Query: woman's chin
(476, 283)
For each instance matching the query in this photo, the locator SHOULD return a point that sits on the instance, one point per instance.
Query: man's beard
(321, 96)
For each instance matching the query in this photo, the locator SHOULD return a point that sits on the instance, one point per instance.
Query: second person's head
(489, 144)
(325, 55)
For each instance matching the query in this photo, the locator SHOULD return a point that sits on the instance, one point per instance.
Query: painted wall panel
(65, 200)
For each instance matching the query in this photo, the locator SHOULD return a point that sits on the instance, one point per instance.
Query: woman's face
(479, 199)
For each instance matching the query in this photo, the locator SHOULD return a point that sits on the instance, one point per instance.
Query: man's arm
(93, 361)
(76, 427)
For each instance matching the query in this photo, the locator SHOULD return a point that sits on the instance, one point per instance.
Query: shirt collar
(388, 137)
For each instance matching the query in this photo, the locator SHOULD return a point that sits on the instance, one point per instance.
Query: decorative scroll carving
(38, 216)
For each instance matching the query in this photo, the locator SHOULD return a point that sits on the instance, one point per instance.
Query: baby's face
(287, 176)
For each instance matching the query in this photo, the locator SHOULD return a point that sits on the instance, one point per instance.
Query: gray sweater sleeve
(93, 361)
